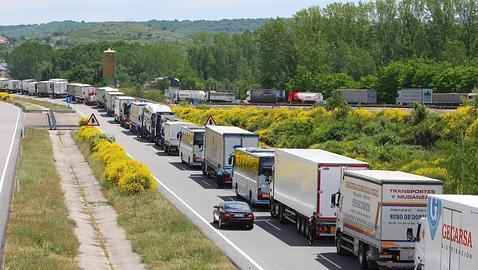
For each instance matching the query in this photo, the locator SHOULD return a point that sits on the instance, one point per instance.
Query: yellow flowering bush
(137, 181)
(433, 172)
(86, 133)
(116, 168)
(396, 115)
(107, 151)
(6, 97)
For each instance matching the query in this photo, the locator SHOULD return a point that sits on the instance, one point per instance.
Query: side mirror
(216, 207)
(410, 236)
(179, 135)
(230, 160)
(334, 199)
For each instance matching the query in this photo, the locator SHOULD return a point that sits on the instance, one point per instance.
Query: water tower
(109, 65)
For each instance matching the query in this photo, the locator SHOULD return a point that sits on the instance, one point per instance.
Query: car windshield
(237, 207)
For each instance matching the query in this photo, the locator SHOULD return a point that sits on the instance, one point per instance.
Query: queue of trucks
(385, 218)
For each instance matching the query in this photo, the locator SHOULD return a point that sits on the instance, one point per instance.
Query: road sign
(92, 121)
(210, 121)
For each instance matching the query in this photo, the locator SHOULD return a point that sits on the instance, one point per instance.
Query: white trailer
(14, 86)
(219, 146)
(60, 87)
(444, 238)
(45, 88)
(412, 95)
(189, 95)
(378, 211)
(3, 84)
(101, 95)
(25, 85)
(118, 106)
(151, 125)
(135, 116)
(171, 136)
(191, 148)
(109, 102)
(252, 174)
(304, 181)
(32, 88)
(220, 97)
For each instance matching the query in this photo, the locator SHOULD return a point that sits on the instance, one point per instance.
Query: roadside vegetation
(35, 104)
(40, 235)
(442, 146)
(159, 233)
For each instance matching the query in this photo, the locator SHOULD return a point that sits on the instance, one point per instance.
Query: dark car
(233, 213)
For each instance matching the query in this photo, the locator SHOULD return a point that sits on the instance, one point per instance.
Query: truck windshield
(198, 138)
(266, 166)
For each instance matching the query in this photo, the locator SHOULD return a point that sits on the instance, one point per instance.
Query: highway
(270, 245)
(10, 132)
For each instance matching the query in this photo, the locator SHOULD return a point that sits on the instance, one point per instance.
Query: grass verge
(159, 233)
(40, 235)
(35, 104)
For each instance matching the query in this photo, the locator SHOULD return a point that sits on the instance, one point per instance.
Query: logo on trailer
(434, 211)
(92, 121)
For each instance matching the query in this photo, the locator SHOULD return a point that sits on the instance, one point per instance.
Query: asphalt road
(269, 245)
(10, 132)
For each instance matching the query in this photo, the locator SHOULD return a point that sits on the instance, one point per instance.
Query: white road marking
(244, 254)
(328, 260)
(274, 226)
(10, 151)
(205, 182)
(210, 226)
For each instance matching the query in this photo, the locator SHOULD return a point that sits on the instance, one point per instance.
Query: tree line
(383, 45)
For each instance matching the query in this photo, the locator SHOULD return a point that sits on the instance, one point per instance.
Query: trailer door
(446, 243)
(451, 249)
(329, 183)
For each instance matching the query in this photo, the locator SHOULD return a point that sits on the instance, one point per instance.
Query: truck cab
(420, 244)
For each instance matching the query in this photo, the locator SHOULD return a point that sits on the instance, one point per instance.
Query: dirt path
(103, 244)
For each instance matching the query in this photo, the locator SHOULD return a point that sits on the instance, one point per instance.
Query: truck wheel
(189, 162)
(362, 256)
(282, 219)
(182, 160)
(204, 170)
(272, 209)
(250, 199)
(303, 226)
(298, 225)
(235, 190)
(338, 245)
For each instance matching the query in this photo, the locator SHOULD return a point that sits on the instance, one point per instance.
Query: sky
(41, 11)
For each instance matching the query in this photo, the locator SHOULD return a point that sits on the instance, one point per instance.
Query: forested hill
(70, 32)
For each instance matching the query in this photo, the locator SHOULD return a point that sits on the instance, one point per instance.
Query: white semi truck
(378, 213)
(303, 183)
(444, 237)
(151, 121)
(219, 146)
(171, 134)
(109, 102)
(119, 105)
(191, 148)
(136, 116)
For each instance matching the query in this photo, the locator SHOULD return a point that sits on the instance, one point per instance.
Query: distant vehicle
(119, 105)
(262, 95)
(406, 97)
(25, 85)
(305, 98)
(151, 125)
(304, 181)
(14, 86)
(444, 237)
(220, 143)
(252, 174)
(60, 87)
(190, 95)
(449, 99)
(359, 96)
(135, 116)
(191, 148)
(171, 134)
(101, 95)
(378, 211)
(32, 88)
(3, 84)
(233, 213)
(109, 102)
(45, 88)
(220, 97)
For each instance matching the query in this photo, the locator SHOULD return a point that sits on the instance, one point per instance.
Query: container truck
(450, 99)
(59, 87)
(378, 212)
(191, 148)
(86, 94)
(252, 174)
(14, 86)
(101, 95)
(135, 116)
(220, 97)
(262, 96)
(119, 106)
(220, 143)
(359, 96)
(171, 135)
(3, 84)
(109, 102)
(406, 97)
(304, 181)
(190, 95)
(45, 88)
(25, 85)
(32, 88)
(151, 124)
(444, 238)
(305, 98)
